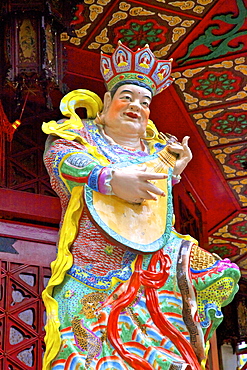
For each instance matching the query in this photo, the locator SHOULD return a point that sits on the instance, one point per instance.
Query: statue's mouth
(132, 115)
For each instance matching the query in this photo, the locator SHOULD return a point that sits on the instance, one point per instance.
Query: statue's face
(128, 109)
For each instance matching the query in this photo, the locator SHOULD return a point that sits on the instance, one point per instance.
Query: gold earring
(151, 136)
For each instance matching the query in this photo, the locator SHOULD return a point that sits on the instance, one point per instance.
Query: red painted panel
(28, 206)
(76, 62)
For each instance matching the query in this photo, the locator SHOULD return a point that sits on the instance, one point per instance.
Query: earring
(149, 134)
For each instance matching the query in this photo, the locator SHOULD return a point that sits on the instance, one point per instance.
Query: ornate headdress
(124, 64)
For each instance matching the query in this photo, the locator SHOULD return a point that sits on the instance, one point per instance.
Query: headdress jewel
(124, 64)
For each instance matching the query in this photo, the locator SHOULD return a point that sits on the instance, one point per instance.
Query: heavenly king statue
(127, 291)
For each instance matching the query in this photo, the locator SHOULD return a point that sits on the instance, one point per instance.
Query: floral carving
(239, 229)
(224, 250)
(239, 160)
(230, 124)
(215, 84)
(139, 33)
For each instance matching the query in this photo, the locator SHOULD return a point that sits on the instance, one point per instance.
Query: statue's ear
(100, 119)
(107, 102)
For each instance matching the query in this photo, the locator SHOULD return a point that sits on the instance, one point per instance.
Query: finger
(152, 176)
(146, 195)
(185, 141)
(187, 150)
(176, 148)
(151, 188)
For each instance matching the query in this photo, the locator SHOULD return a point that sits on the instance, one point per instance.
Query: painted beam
(20, 230)
(27, 206)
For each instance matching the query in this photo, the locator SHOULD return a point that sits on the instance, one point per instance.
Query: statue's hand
(133, 184)
(184, 155)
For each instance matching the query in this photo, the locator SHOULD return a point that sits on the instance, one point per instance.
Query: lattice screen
(24, 168)
(22, 316)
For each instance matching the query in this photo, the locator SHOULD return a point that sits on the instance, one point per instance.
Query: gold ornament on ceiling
(102, 37)
(177, 33)
(116, 17)
(82, 31)
(95, 10)
(183, 5)
(136, 11)
(163, 51)
(171, 20)
(225, 232)
(124, 6)
(239, 186)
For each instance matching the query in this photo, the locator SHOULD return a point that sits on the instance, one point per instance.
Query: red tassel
(7, 131)
(15, 126)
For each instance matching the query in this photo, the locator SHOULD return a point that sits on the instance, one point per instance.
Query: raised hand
(184, 155)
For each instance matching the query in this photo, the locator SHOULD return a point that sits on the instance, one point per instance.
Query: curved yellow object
(80, 98)
(69, 103)
(207, 348)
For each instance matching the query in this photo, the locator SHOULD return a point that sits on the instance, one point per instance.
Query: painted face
(129, 109)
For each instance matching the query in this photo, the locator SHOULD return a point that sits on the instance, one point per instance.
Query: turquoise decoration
(101, 282)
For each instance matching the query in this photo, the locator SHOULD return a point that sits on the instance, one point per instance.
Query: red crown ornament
(124, 64)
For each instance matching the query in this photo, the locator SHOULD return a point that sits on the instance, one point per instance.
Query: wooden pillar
(213, 361)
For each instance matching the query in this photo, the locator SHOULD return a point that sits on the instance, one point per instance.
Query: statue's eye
(145, 103)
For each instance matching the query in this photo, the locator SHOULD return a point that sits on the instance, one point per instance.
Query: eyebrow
(129, 91)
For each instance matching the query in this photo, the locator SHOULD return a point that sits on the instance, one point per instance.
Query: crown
(124, 64)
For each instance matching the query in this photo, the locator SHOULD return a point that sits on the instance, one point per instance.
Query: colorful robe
(115, 309)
